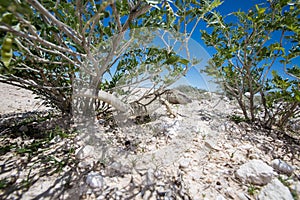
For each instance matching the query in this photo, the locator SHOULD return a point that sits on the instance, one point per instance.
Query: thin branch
(117, 16)
(135, 12)
(290, 74)
(40, 40)
(63, 27)
(35, 57)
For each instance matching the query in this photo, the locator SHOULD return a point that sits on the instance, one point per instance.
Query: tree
(247, 51)
(46, 45)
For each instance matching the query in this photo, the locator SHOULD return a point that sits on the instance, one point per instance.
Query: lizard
(143, 106)
(149, 103)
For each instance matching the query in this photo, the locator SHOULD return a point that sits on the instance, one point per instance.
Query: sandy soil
(14, 99)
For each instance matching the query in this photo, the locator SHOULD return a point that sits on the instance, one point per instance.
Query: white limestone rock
(220, 197)
(85, 152)
(94, 180)
(184, 162)
(86, 164)
(275, 190)
(282, 167)
(212, 145)
(242, 196)
(255, 172)
(295, 186)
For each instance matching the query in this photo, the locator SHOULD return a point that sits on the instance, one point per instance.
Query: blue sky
(227, 7)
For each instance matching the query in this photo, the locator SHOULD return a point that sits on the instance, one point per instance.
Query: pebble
(184, 162)
(95, 180)
(254, 156)
(229, 192)
(150, 176)
(85, 164)
(282, 167)
(243, 196)
(212, 145)
(85, 152)
(220, 197)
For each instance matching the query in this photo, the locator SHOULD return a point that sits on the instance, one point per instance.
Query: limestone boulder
(255, 172)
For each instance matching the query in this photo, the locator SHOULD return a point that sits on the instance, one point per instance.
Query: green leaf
(6, 51)
(297, 96)
(7, 18)
(171, 60)
(260, 10)
(183, 61)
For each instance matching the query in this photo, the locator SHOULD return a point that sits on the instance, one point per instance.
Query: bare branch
(117, 16)
(135, 12)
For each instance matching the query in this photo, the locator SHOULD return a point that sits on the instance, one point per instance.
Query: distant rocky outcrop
(176, 97)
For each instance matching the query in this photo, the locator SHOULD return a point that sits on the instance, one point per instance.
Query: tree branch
(134, 13)
(40, 40)
(63, 27)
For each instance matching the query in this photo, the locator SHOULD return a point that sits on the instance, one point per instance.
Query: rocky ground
(199, 154)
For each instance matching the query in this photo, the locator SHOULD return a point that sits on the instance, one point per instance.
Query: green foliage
(6, 51)
(247, 52)
(3, 183)
(252, 190)
(52, 40)
(238, 119)
(284, 99)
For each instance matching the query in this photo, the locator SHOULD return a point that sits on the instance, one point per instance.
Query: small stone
(220, 197)
(227, 146)
(212, 145)
(147, 194)
(95, 180)
(229, 192)
(113, 168)
(85, 152)
(184, 162)
(23, 128)
(177, 97)
(136, 178)
(255, 172)
(253, 156)
(195, 175)
(161, 191)
(150, 176)
(85, 164)
(124, 182)
(56, 139)
(243, 196)
(295, 186)
(209, 180)
(275, 190)
(282, 167)
(247, 147)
